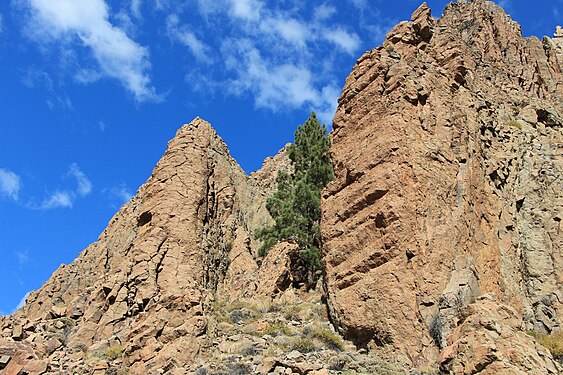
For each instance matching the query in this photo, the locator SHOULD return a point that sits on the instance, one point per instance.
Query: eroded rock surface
(447, 143)
(144, 290)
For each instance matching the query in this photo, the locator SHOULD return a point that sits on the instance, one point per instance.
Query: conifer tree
(295, 206)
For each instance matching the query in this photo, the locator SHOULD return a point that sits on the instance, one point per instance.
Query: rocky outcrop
(146, 287)
(441, 232)
(448, 161)
(489, 340)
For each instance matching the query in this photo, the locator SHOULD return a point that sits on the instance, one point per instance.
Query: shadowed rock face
(447, 146)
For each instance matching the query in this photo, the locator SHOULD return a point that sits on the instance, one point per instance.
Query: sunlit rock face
(147, 284)
(447, 147)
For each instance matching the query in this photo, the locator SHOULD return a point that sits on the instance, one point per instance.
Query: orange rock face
(147, 284)
(447, 146)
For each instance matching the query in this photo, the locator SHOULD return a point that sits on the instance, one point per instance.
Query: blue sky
(91, 91)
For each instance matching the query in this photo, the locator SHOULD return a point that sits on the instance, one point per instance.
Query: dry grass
(303, 345)
(514, 123)
(276, 329)
(553, 342)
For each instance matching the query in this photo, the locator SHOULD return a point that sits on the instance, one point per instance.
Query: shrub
(276, 329)
(114, 352)
(236, 368)
(514, 123)
(304, 345)
(553, 342)
(330, 339)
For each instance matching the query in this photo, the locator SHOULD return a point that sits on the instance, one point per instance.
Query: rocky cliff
(442, 230)
(148, 283)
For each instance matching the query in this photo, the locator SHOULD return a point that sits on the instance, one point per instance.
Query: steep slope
(447, 145)
(147, 284)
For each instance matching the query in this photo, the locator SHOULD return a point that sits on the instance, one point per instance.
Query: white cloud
(10, 184)
(22, 302)
(276, 86)
(292, 30)
(1, 24)
(324, 12)
(136, 8)
(348, 42)
(186, 37)
(360, 4)
(65, 198)
(116, 55)
(84, 184)
(246, 9)
(23, 257)
(120, 193)
(58, 199)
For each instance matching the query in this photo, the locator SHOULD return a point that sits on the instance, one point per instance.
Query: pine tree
(295, 206)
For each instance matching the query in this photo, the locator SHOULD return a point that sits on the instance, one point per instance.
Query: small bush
(249, 351)
(276, 329)
(331, 339)
(435, 329)
(114, 352)
(514, 123)
(294, 312)
(553, 342)
(239, 368)
(304, 345)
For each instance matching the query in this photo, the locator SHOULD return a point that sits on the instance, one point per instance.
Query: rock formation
(447, 147)
(441, 232)
(148, 283)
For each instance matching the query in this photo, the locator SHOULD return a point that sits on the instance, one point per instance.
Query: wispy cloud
(1, 23)
(58, 199)
(324, 12)
(116, 55)
(348, 42)
(276, 86)
(10, 184)
(23, 257)
(84, 184)
(186, 37)
(65, 198)
(360, 4)
(289, 29)
(248, 10)
(277, 54)
(121, 193)
(136, 8)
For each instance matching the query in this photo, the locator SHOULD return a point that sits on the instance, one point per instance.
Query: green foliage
(114, 352)
(295, 206)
